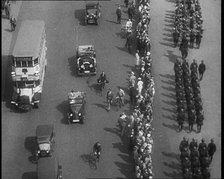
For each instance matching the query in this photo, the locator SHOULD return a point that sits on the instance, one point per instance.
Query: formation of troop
(188, 89)
(187, 29)
(196, 158)
(142, 89)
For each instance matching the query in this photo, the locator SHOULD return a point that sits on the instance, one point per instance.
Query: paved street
(64, 31)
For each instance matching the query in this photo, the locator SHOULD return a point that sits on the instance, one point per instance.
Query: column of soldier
(142, 133)
(188, 24)
(187, 87)
(196, 159)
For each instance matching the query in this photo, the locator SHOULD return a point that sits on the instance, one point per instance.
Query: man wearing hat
(201, 69)
(211, 149)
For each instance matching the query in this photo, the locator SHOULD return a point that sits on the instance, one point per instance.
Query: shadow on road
(64, 109)
(131, 67)
(171, 155)
(79, 15)
(126, 169)
(174, 174)
(173, 165)
(89, 159)
(173, 126)
(167, 76)
(31, 145)
(113, 130)
(169, 88)
(167, 44)
(114, 22)
(95, 87)
(171, 56)
(30, 175)
(72, 65)
(173, 103)
(173, 117)
(101, 106)
(172, 96)
(170, 82)
(173, 110)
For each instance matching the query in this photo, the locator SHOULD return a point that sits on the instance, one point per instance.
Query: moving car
(77, 107)
(92, 13)
(48, 168)
(86, 60)
(45, 139)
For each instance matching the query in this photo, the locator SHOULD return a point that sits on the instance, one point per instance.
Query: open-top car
(45, 139)
(77, 107)
(92, 13)
(86, 60)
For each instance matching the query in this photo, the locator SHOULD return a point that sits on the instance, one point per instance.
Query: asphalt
(74, 142)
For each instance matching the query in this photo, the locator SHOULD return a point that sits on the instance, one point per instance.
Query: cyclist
(97, 149)
(102, 79)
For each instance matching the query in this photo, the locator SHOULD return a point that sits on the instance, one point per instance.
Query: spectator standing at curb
(118, 13)
(211, 149)
(130, 12)
(109, 99)
(201, 69)
(7, 10)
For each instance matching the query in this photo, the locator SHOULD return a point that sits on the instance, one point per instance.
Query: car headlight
(82, 66)
(91, 65)
(47, 151)
(71, 114)
(79, 114)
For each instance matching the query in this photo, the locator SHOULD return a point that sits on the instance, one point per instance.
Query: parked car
(77, 107)
(86, 60)
(92, 13)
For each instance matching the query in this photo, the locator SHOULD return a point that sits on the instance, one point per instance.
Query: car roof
(43, 131)
(47, 168)
(90, 4)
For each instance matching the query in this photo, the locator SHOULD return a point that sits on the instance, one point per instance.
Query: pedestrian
(175, 37)
(7, 10)
(118, 13)
(180, 122)
(13, 23)
(211, 149)
(139, 86)
(199, 121)
(201, 69)
(122, 122)
(120, 96)
(193, 145)
(198, 39)
(126, 2)
(128, 43)
(138, 60)
(132, 94)
(202, 149)
(192, 39)
(109, 98)
(130, 12)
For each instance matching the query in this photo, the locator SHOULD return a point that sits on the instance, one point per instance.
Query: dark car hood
(76, 108)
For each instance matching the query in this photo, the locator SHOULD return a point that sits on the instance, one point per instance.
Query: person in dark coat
(206, 173)
(129, 42)
(199, 121)
(176, 36)
(192, 39)
(132, 94)
(126, 2)
(183, 144)
(118, 13)
(7, 10)
(202, 149)
(198, 39)
(130, 12)
(201, 69)
(193, 144)
(211, 149)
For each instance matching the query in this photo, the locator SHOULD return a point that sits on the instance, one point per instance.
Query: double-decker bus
(29, 64)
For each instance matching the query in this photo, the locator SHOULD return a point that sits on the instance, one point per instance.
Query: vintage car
(48, 168)
(45, 140)
(92, 13)
(86, 60)
(77, 107)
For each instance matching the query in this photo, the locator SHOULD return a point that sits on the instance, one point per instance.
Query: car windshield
(86, 60)
(91, 11)
(25, 84)
(78, 101)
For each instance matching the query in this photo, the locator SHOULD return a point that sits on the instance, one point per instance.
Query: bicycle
(102, 85)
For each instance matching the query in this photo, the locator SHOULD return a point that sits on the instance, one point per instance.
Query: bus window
(18, 63)
(24, 64)
(30, 63)
(36, 61)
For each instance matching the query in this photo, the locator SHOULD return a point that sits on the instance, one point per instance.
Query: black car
(92, 13)
(77, 107)
(86, 60)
